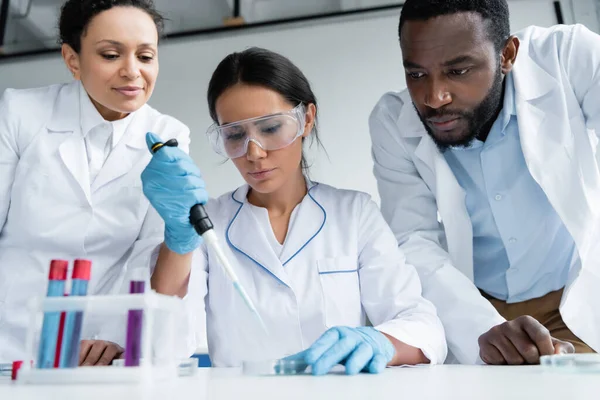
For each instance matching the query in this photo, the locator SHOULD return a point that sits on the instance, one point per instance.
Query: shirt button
(498, 197)
(512, 240)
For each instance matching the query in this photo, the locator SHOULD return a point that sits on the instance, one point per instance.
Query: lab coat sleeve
(410, 208)
(9, 155)
(581, 56)
(391, 290)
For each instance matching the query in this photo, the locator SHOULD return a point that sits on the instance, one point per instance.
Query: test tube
(59, 340)
(74, 319)
(133, 343)
(50, 326)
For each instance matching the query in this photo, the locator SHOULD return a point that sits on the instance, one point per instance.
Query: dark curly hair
(76, 15)
(494, 12)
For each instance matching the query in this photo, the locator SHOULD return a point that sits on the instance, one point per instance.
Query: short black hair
(495, 12)
(262, 67)
(76, 15)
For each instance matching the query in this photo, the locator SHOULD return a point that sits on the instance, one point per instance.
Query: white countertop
(438, 382)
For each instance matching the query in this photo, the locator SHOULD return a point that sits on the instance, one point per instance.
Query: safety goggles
(270, 132)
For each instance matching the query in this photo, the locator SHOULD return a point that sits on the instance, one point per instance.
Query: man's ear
(509, 54)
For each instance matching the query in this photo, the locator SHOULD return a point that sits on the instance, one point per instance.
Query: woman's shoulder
(335, 195)
(225, 203)
(30, 98)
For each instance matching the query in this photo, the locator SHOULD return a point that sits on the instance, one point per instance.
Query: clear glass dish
(572, 362)
(274, 367)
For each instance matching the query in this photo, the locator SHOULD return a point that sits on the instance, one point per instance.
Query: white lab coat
(339, 265)
(49, 210)
(557, 82)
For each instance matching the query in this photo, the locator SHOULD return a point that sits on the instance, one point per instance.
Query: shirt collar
(91, 118)
(509, 108)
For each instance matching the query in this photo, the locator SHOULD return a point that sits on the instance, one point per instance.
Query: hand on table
(98, 352)
(520, 341)
(359, 349)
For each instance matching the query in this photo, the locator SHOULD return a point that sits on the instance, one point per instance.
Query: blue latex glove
(173, 184)
(363, 348)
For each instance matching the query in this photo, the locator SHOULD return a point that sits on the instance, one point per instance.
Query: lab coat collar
(66, 119)
(531, 81)
(409, 122)
(65, 115)
(251, 243)
(90, 118)
(128, 151)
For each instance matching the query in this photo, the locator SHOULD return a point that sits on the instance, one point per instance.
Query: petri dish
(274, 367)
(186, 366)
(572, 362)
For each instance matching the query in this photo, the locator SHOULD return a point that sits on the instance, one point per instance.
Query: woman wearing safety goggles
(316, 261)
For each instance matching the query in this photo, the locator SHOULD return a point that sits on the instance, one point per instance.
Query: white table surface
(437, 382)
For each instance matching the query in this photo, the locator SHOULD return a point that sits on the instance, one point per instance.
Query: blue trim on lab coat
(347, 271)
(294, 255)
(320, 228)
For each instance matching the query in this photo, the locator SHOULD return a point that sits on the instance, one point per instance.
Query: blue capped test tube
(69, 357)
(49, 335)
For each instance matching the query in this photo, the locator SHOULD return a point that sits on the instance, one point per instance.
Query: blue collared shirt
(521, 248)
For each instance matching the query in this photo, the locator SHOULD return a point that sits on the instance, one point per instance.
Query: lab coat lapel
(245, 237)
(66, 121)
(309, 221)
(548, 144)
(450, 196)
(130, 149)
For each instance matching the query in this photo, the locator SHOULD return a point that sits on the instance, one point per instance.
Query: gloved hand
(362, 348)
(173, 184)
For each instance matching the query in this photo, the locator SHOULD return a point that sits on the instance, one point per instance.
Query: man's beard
(477, 120)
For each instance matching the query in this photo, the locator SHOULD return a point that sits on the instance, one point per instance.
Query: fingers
(98, 352)
(359, 358)
(562, 347)
(523, 343)
(377, 364)
(163, 180)
(489, 354)
(94, 354)
(508, 350)
(183, 166)
(321, 345)
(334, 355)
(538, 333)
(151, 139)
(84, 349)
(520, 341)
(111, 352)
(167, 154)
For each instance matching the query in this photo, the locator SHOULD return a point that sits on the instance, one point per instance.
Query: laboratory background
(349, 51)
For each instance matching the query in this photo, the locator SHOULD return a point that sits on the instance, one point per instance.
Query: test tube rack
(149, 370)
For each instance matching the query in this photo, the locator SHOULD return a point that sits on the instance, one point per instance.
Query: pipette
(204, 227)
